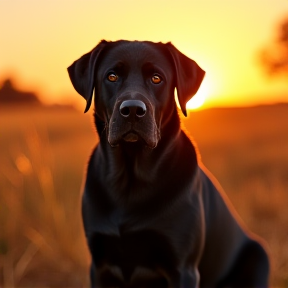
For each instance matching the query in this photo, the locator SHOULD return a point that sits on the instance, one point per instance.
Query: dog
(152, 216)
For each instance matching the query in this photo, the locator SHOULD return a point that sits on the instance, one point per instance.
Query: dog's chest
(126, 247)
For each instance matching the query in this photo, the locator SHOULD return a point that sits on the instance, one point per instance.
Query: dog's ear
(188, 76)
(81, 73)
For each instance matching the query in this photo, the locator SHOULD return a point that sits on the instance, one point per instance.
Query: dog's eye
(156, 79)
(112, 77)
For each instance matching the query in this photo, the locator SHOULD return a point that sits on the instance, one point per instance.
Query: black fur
(152, 217)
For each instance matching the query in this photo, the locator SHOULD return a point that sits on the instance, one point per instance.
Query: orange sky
(39, 39)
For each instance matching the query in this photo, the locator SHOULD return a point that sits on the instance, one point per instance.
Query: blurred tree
(275, 56)
(10, 95)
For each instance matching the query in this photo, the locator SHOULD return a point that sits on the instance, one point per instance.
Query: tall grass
(43, 158)
(41, 239)
(247, 150)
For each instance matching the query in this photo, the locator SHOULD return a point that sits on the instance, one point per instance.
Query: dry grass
(247, 151)
(41, 238)
(43, 155)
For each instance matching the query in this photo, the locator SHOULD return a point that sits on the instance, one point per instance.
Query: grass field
(43, 159)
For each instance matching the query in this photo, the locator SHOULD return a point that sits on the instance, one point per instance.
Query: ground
(43, 161)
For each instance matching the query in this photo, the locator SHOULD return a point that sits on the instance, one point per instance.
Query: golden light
(199, 98)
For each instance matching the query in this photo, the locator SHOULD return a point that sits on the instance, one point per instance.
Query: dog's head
(134, 86)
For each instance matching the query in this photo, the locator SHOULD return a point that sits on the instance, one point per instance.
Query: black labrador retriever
(152, 216)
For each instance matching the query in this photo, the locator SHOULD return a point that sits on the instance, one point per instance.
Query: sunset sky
(39, 39)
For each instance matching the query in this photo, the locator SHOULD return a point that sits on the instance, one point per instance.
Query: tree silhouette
(275, 57)
(10, 95)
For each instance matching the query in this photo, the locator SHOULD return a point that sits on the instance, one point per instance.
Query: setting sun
(199, 98)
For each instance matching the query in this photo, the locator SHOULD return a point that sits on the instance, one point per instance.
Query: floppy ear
(81, 73)
(188, 76)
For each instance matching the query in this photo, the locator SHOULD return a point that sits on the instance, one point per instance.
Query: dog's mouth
(131, 137)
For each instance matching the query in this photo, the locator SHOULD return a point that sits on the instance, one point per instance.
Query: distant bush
(10, 95)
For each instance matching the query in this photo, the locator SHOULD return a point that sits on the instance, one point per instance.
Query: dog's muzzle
(133, 120)
(132, 110)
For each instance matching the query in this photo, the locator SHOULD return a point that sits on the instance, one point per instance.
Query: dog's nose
(133, 109)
